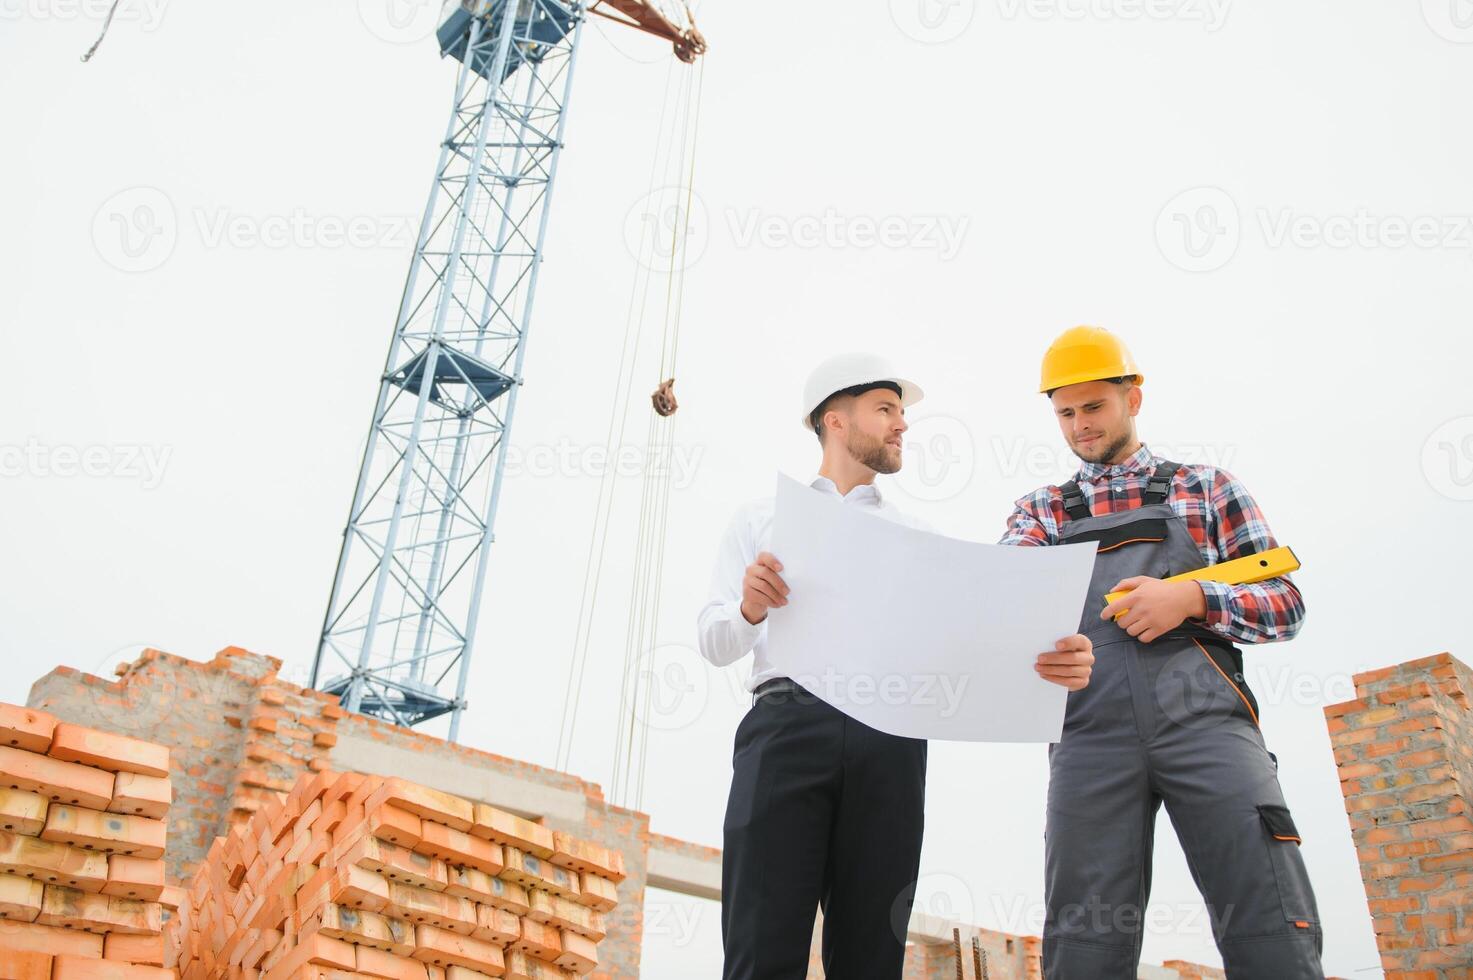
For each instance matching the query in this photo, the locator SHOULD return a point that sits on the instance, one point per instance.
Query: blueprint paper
(918, 634)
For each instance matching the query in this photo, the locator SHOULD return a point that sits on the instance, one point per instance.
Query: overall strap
(1074, 503)
(1159, 483)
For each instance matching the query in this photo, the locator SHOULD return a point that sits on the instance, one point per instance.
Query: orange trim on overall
(1302, 925)
(1241, 696)
(1121, 544)
(1294, 839)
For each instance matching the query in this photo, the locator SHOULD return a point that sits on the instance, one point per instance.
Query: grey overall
(1169, 721)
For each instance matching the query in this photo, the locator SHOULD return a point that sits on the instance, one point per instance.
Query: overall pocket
(1283, 840)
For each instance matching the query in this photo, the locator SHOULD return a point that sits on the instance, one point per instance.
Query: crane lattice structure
(401, 620)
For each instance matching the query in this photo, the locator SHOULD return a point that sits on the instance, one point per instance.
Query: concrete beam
(520, 795)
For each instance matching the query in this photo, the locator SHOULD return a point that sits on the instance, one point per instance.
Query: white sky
(1062, 144)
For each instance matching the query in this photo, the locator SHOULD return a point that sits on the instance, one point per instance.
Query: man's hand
(763, 588)
(1070, 663)
(1155, 607)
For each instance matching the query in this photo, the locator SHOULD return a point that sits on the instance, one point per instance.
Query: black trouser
(824, 811)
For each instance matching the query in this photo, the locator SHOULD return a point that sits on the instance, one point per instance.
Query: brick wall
(1008, 958)
(241, 736)
(1404, 748)
(194, 708)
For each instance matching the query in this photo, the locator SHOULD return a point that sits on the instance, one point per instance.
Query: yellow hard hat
(1083, 354)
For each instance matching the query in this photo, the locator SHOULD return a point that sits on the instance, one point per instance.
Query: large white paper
(918, 634)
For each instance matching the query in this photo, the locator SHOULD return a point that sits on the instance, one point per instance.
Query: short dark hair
(815, 417)
(1126, 379)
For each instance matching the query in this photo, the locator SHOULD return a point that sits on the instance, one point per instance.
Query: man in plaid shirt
(1167, 716)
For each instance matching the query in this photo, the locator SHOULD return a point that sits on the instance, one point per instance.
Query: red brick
(543, 942)
(579, 855)
(20, 898)
(510, 830)
(579, 954)
(495, 925)
(77, 968)
(110, 832)
(142, 950)
(520, 966)
(28, 937)
(382, 932)
(389, 823)
(457, 847)
(377, 963)
(115, 753)
(144, 796)
(316, 950)
(52, 863)
(1424, 883)
(22, 812)
(597, 893)
(71, 908)
(428, 804)
(134, 877)
(58, 781)
(18, 965)
(422, 906)
(397, 864)
(444, 949)
(1448, 862)
(25, 728)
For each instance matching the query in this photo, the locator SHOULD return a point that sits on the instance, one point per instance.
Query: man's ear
(1133, 399)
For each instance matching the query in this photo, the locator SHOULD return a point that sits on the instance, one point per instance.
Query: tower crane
(402, 615)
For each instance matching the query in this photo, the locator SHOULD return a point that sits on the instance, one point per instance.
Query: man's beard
(873, 453)
(1108, 453)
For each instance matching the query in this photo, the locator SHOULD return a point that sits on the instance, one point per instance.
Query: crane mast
(402, 616)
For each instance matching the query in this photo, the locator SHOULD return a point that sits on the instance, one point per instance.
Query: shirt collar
(1141, 461)
(864, 490)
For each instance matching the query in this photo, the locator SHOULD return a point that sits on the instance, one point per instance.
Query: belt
(780, 686)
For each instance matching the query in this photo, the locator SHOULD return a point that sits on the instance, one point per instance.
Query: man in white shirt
(823, 810)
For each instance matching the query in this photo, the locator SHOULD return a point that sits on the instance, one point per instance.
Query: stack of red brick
(82, 829)
(359, 876)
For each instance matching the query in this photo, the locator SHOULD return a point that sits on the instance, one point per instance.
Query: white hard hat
(847, 370)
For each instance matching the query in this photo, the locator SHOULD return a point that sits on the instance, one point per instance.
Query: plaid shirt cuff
(1219, 596)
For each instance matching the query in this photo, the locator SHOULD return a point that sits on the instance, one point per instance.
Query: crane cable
(106, 23)
(618, 417)
(630, 742)
(631, 733)
(674, 301)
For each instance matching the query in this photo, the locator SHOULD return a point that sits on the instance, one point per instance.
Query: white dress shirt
(723, 633)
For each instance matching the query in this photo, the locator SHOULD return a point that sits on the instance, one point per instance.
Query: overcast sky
(1269, 201)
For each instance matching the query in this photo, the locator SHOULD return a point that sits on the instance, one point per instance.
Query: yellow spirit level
(1239, 571)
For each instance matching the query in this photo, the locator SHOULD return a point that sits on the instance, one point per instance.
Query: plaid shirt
(1223, 521)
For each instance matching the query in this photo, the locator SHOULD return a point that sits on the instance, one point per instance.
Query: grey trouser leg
(1221, 790)
(1165, 725)
(1099, 834)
